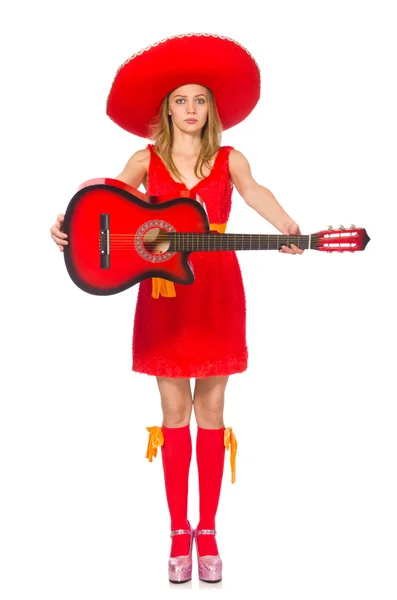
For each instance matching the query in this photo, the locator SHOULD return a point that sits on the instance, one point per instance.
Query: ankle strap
(180, 532)
(205, 532)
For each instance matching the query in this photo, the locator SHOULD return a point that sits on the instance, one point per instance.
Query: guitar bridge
(104, 240)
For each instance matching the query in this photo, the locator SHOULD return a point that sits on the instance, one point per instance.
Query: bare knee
(209, 401)
(209, 412)
(176, 401)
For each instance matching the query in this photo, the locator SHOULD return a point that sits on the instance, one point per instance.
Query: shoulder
(237, 161)
(240, 173)
(139, 160)
(141, 155)
(135, 171)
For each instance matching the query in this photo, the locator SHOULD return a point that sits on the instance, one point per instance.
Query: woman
(181, 93)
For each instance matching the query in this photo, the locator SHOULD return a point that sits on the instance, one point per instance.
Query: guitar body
(104, 264)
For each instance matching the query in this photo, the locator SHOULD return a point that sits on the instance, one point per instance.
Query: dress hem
(161, 367)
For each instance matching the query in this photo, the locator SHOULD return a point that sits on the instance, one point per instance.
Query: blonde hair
(161, 133)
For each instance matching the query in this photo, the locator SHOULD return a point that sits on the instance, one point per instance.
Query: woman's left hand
(291, 229)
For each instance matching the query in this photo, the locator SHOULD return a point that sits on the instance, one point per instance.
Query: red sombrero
(217, 62)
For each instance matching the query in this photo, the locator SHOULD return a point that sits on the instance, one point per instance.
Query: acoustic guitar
(118, 237)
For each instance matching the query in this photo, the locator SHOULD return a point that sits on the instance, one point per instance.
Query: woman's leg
(208, 402)
(176, 403)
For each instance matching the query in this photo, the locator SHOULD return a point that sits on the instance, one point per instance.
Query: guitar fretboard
(206, 242)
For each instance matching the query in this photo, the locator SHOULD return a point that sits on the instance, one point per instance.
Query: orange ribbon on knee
(230, 442)
(156, 439)
(166, 288)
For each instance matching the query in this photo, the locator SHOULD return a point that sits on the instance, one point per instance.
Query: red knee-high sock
(176, 455)
(210, 450)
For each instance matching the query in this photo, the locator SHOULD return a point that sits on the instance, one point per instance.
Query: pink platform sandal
(180, 567)
(209, 567)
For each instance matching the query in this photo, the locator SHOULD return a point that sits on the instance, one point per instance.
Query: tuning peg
(353, 227)
(330, 227)
(342, 227)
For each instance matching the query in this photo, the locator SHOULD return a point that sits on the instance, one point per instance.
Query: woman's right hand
(57, 234)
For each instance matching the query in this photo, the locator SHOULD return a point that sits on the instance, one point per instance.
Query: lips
(191, 120)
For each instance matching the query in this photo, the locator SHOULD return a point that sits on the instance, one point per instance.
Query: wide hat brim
(217, 62)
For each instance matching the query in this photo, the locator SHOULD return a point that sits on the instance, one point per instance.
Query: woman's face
(188, 107)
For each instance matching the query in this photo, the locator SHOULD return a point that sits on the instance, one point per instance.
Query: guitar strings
(345, 233)
(247, 245)
(121, 239)
(127, 241)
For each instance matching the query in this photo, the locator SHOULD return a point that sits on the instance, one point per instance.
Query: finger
(295, 230)
(58, 227)
(55, 230)
(297, 249)
(59, 241)
(60, 244)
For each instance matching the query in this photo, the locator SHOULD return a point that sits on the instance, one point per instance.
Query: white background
(312, 514)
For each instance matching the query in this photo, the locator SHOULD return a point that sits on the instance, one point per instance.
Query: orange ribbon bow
(163, 287)
(230, 442)
(156, 439)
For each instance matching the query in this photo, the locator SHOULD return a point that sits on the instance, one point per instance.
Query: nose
(191, 107)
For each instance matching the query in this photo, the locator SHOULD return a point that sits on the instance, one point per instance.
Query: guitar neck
(210, 242)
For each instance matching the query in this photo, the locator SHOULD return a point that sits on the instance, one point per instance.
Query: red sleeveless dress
(202, 331)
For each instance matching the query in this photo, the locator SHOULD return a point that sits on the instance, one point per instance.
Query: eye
(200, 100)
(179, 100)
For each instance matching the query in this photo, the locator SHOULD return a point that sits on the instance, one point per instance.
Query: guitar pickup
(104, 240)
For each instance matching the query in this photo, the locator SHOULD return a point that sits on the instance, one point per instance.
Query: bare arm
(261, 199)
(256, 196)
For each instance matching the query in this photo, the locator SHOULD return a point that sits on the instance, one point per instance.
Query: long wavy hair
(162, 134)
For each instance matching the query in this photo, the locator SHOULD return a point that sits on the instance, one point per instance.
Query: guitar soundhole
(156, 241)
(152, 241)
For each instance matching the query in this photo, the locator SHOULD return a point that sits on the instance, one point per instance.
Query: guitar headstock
(343, 239)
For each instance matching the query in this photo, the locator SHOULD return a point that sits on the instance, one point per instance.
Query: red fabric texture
(210, 453)
(202, 331)
(143, 81)
(176, 453)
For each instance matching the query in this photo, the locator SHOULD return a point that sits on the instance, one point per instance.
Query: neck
(186, 144)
